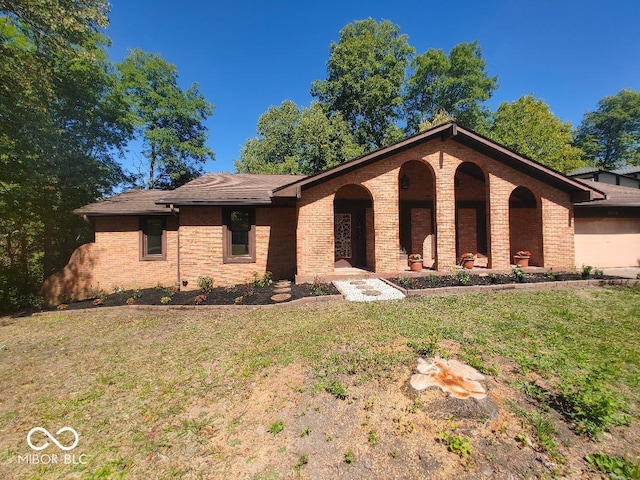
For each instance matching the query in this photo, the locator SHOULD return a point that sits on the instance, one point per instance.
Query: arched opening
(525, 225)
(417, 224)
(471, 212)
(354, 236)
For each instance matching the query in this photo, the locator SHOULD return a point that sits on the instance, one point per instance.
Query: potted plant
(521, 258)
(467, 260)
(415, 262)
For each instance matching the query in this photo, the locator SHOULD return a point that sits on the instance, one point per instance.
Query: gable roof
(451, 130)
(130, 202)
(228, 189)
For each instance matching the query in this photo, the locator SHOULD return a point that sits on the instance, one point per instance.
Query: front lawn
(320, 390)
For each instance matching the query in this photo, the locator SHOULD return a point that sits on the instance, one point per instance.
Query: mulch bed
(237, 295)
(439, 281)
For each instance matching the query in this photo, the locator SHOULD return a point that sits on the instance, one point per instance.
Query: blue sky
(249, 55)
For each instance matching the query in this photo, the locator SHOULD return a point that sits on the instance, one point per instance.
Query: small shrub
(431, 278)
(462, 276)
(598, 273)
(492, 278)
(170, 291)
(136, 293)
(405, 282)
(130, 301)
(349, 456)
(616, 467)
(318, 287)
(518, 274)
(164, 300)
(263, 281)
(205, 284)
(586, 271)
(455, 444)
(276, 427)
(200, 299)
(335, 388)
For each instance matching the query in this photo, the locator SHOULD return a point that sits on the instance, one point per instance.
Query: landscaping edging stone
(298, 301)
(462, 289)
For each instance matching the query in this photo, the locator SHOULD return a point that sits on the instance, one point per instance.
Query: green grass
(127, 379)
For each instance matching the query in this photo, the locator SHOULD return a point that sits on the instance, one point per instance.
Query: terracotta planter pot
(468, 263)
(522, 261)
(416, 265)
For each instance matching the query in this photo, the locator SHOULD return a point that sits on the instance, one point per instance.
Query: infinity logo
(52, 438)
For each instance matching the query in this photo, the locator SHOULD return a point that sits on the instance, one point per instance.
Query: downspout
(175, 213)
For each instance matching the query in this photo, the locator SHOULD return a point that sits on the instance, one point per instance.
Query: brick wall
(467, 231)
(201, 240)
(381, 178)
(114, 259)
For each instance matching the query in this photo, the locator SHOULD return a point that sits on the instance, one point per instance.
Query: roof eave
(216, 202)
(111, 213)
(293, 189)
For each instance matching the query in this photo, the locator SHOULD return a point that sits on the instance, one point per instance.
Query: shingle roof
(130, 202)
(228, 189)
(583, 170)
(617, 196)
(627, 170)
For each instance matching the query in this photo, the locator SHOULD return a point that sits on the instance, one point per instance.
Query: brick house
(440, 193)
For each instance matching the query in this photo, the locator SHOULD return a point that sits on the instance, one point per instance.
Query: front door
(350, 237)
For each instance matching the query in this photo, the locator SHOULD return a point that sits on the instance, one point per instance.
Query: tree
(365, 77)
(60, 125)
(456, 85)
(610, 136)
(292, 140)
(168, 121)
(528, 127)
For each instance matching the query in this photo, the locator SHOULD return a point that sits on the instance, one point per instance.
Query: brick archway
(354, 234)
(525, 224)
(471, 212)
(416, 187)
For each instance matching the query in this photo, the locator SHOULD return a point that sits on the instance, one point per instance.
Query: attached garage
(607, 232)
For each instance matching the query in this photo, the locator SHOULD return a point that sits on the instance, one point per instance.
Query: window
(239, 235)
(153, 240)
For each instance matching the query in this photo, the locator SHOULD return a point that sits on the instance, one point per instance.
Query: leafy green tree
(528, 127)
(440, 118)
(292, 140)
(60, 124)
(457, 85)
(365, 77)
(167, 120)
(610, 136)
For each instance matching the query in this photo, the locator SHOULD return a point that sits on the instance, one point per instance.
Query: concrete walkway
(625, 272)
(367, 290)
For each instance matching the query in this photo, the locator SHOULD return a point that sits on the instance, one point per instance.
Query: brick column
(445, 213)
(314, 235)
(499, 240)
